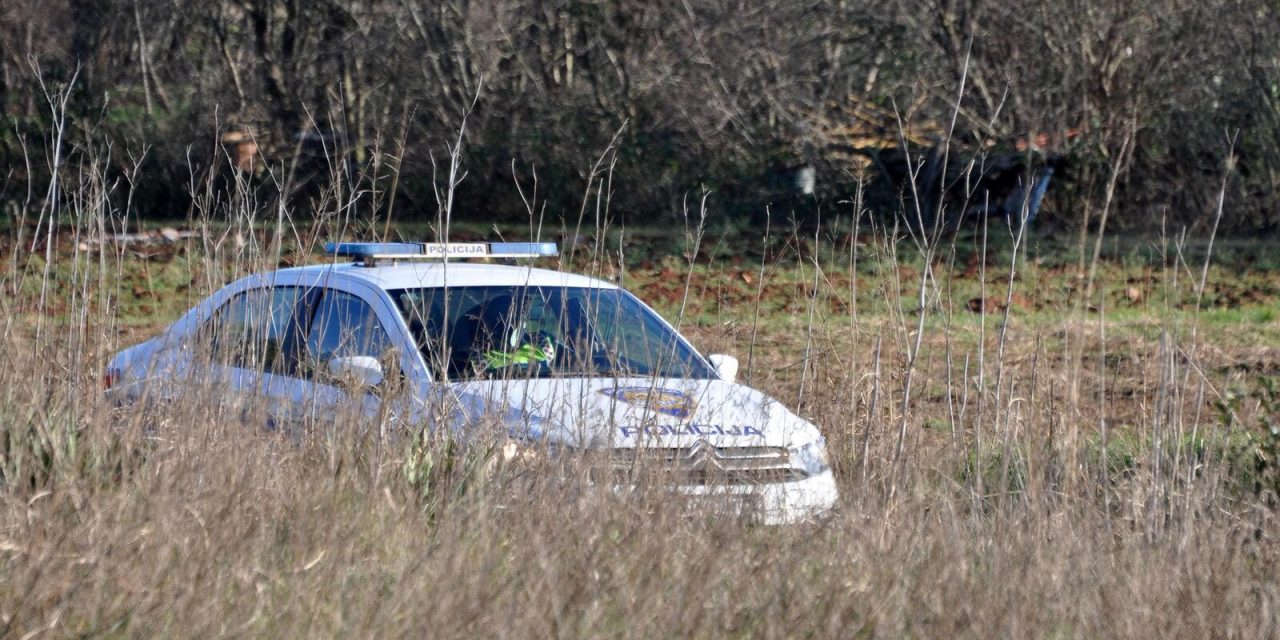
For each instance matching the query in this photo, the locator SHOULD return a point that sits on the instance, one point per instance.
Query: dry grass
(986, 504)
(1047, 471)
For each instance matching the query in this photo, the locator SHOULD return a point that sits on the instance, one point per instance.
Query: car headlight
(812, 457)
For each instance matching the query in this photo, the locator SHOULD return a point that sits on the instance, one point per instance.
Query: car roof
(412, 274)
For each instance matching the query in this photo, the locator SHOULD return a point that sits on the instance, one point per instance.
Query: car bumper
(771, 504)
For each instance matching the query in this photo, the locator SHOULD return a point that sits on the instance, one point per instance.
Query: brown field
(1058, 466)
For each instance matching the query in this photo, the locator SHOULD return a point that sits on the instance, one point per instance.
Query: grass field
(1022, 450)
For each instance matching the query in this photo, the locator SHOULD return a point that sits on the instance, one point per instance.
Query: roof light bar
(370, 251)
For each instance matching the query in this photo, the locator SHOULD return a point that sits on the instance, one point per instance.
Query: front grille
(705, 464)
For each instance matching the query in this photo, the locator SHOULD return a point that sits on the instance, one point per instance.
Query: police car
(561, 362)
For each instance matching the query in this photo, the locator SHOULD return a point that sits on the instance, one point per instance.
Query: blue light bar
(371, 251)
(524, 249)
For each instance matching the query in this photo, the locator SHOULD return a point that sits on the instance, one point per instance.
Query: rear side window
(257, 330)
(344, 326)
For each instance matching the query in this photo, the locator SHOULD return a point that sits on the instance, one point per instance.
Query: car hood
(631, 412)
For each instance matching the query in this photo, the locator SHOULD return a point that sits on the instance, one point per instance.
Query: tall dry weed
(987, 489)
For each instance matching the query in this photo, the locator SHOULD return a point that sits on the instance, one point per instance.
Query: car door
(335, 323)
(252, 337)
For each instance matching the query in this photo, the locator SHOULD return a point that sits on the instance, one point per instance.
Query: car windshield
(492, 332)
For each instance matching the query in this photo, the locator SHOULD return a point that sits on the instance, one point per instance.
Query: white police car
(559, 360)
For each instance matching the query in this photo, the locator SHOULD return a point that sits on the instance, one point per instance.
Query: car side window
(256, 330)
(344, 326)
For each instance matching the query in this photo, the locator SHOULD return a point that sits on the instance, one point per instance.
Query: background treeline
(667, 98)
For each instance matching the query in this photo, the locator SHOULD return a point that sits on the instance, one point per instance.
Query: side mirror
(726, 366)
(362, 370)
